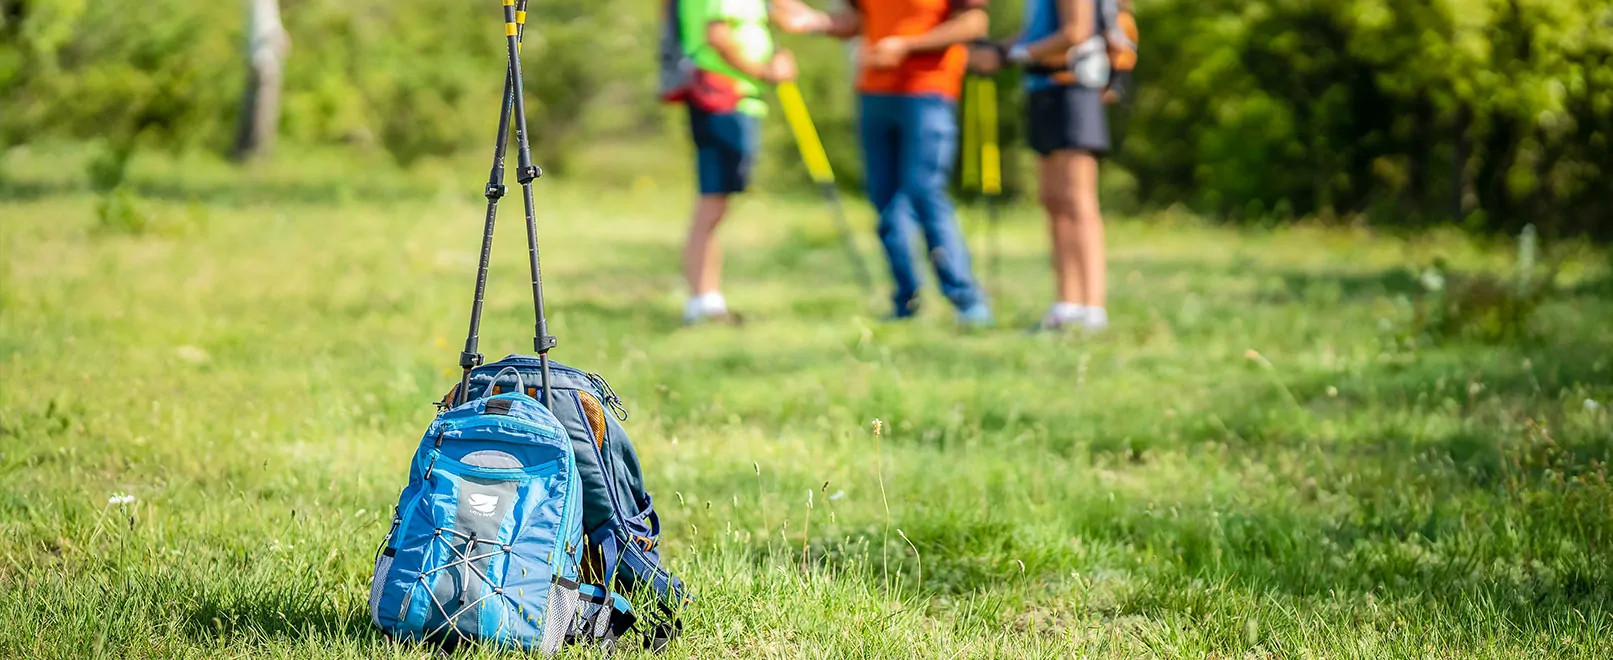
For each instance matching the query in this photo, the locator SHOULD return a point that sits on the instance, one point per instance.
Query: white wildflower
(1432, 280)
(120, 499)
(191, 354)
(1591, 405)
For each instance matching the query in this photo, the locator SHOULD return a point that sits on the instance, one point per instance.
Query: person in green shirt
(730, 43)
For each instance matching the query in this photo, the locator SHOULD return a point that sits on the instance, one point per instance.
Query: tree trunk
(1460, 152)
(267, 45)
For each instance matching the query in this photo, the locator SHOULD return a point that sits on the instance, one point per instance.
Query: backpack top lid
(513, 423)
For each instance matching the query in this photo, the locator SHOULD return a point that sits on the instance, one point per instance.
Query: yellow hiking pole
(981, 116)
(817, 164)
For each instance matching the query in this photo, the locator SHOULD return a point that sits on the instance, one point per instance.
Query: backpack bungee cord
(514, 102)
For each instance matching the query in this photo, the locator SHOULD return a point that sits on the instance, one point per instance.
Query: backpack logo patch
(483, 504)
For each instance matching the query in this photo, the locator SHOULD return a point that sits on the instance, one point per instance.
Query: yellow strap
(969, 176)
(806, 136)
(520, 17)
(510, 30)
(509, 3)
(991, 166)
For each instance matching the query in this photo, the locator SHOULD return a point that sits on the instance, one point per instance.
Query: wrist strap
(1018, 54)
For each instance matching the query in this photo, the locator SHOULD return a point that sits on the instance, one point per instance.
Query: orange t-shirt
(934, 72)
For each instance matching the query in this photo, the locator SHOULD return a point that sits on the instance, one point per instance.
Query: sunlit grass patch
(201, 433)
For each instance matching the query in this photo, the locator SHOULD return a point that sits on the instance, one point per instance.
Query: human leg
(725, 147)
(929, 142)
(879, 125)
(1068, 130)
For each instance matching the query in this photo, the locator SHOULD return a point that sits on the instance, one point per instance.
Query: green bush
(1499, 112)
(159, 73)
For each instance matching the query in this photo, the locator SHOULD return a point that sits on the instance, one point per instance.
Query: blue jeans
(908, 145)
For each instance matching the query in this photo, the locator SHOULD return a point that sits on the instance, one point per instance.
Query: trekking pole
(968, 149)
(470, 358)
(817, 164)
(525, 173)
(991, 175)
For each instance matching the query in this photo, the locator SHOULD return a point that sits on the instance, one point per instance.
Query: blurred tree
(153, 73)
(266, 48)
(1495, 113)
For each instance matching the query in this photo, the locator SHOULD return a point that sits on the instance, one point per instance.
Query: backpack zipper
(569, 512)
(557, 434)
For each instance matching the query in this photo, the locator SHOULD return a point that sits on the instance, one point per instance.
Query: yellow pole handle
(806, 136)
(991, 166)
(969, 177)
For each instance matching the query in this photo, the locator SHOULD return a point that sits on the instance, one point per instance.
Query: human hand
(985, 59)
(886, 53)
(780, 67)
(796, 18)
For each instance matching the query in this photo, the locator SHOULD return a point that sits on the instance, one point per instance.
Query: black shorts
(1067, 117)
(725, 149)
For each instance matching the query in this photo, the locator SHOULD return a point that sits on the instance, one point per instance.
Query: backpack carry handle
(520, 383)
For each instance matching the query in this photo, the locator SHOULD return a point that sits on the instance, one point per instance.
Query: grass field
(207, 408)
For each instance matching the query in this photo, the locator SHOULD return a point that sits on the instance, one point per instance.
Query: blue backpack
(486, 539)
(622, 529)
(525, 507)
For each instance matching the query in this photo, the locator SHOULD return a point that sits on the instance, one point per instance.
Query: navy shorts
(725, 149)
(1067, 118)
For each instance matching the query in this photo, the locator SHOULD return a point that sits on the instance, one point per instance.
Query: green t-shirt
(748, 21)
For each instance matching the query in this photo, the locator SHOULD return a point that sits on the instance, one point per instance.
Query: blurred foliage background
(1488, 113)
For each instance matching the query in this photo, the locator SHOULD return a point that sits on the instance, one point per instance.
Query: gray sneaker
(976, 316)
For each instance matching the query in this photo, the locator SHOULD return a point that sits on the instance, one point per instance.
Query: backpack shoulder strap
(1107, 15)
(604, 616)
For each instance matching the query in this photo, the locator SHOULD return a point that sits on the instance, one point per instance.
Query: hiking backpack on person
(681, 80)
(1118, 24)
(525, 506)
(1106, 60)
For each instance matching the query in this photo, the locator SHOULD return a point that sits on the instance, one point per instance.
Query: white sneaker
(1069, 316)
(1061, 316)
(1094, 319)
(708, 307)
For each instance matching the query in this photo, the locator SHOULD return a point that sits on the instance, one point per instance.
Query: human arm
(986, 58)
(780, 67)
(1077, 23)
(963, 26)
(796, 17)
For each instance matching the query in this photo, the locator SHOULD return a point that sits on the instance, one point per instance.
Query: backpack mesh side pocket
(383, 565)
(561, 614)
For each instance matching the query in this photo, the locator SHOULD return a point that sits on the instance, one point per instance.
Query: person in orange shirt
(912, 71)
